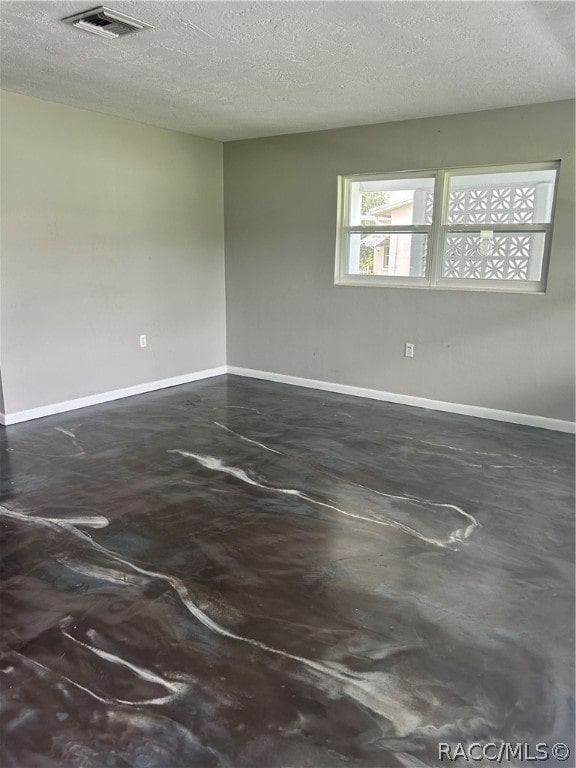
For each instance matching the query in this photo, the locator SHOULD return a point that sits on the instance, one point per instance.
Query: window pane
(493, 255)
(398, 254)
(520, 197)
(391, 202)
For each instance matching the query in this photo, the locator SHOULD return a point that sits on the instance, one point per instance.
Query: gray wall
(285, 315)
(110, 229)
(2, 407)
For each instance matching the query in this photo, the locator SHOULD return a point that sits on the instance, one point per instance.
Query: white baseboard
(526, 419)
(529, 420)
(82, 402)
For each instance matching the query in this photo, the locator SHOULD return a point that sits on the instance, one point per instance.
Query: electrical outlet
(143, 341)
(409, 350)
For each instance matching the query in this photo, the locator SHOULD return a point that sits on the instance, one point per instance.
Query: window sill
(531, 289)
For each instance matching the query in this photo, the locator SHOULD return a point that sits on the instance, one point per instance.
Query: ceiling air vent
(105, 22)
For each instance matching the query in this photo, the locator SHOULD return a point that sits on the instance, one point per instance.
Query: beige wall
(110, 229)
(507, 351)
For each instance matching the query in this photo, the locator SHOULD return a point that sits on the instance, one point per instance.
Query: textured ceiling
(232, 70)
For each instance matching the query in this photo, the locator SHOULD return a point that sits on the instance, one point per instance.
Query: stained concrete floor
(250, 575)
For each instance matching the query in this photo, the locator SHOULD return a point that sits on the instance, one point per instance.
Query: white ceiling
(231, 70)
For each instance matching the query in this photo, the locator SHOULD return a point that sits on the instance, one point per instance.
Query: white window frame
(437, 231)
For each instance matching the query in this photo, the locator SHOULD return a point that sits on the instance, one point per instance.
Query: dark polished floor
(249, 575)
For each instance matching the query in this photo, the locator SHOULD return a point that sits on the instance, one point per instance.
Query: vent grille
(106, 23)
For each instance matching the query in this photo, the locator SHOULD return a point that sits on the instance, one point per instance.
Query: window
(485, 228)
